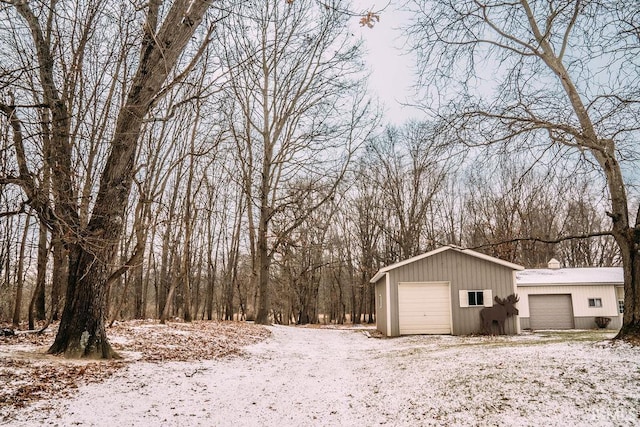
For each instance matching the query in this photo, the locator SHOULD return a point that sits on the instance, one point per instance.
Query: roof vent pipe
(554, 264)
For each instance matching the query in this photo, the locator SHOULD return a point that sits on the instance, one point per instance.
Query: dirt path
(304, 376)
(298, 376)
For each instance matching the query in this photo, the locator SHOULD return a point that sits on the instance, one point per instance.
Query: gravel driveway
(338, 377)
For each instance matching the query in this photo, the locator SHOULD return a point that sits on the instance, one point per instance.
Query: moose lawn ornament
(499, 312)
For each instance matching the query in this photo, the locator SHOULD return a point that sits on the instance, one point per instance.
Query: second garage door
(424, 308)
(550, 312)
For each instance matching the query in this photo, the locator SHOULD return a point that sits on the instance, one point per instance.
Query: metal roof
(565, 276)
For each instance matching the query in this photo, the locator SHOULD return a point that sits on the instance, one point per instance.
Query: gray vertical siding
(463, 272)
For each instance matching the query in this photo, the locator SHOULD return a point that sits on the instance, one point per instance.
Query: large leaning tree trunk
(565, 78)
(92, 248)
(82, 329)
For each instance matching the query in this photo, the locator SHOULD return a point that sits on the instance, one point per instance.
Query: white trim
(383, 270)
(487, 296)
(515, 292)
(534, 285)
(450, 308)
(388, 288)
(463, 296)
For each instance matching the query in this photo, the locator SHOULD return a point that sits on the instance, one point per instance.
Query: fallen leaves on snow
(28, 374)
(185, 341)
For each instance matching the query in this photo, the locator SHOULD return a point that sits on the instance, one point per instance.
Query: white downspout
(388, 289)
(515, 291)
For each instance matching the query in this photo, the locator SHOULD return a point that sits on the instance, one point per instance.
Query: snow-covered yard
(340, 377)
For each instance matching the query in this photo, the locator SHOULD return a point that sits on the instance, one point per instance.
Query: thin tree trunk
(264, 260)
(140, 227)
(231, 276)
(185, 270)
(37, 304)
(262, 317)
(20, 275)
(212, 266)
(43, 252)
(168, 304)
(59, 276)
(197, 282)
(139, 300)
(115, 312)
(211, 281)
(167, 254)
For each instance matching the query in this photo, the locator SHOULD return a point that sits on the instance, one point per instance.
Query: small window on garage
(595, 302)
(620, 306)
(380, 301)
(475, 298)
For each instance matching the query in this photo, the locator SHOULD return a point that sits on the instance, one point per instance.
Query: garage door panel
(424, 308)
(551, 311)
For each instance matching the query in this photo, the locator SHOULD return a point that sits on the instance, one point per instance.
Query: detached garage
(568, 298)
(442, 292)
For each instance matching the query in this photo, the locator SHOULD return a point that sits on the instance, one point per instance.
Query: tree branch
(25, 179)
(543, 240)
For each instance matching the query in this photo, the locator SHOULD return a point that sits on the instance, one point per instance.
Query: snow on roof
(585, 276)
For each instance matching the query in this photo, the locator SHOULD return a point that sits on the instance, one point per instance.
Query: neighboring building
(442, 292)
(568, 298)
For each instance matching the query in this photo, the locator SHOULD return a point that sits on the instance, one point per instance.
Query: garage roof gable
(384, 270)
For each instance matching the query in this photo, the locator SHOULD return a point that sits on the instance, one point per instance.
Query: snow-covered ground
(339, 377)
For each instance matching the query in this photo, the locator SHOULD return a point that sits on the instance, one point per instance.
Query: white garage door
(424, 308)
(550, 312)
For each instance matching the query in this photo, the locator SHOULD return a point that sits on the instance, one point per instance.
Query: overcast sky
(392, 71)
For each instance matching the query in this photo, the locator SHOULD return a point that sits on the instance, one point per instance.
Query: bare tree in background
(503, 205)
(544, 74)
(92, 246)
(366, 216)
(302, 261)
(298, 104)
(411, 163)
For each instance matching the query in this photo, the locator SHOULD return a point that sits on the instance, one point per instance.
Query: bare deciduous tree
(544, 74)
(298, 103)
(93, 243)
(411, 164)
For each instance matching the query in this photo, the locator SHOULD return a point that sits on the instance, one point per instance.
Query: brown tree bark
(59, 277)
(82, 331)
(37, 304)
(264, 258)
(17, 307)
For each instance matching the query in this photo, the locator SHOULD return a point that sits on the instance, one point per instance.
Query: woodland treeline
(405, 193)
(266, 181)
